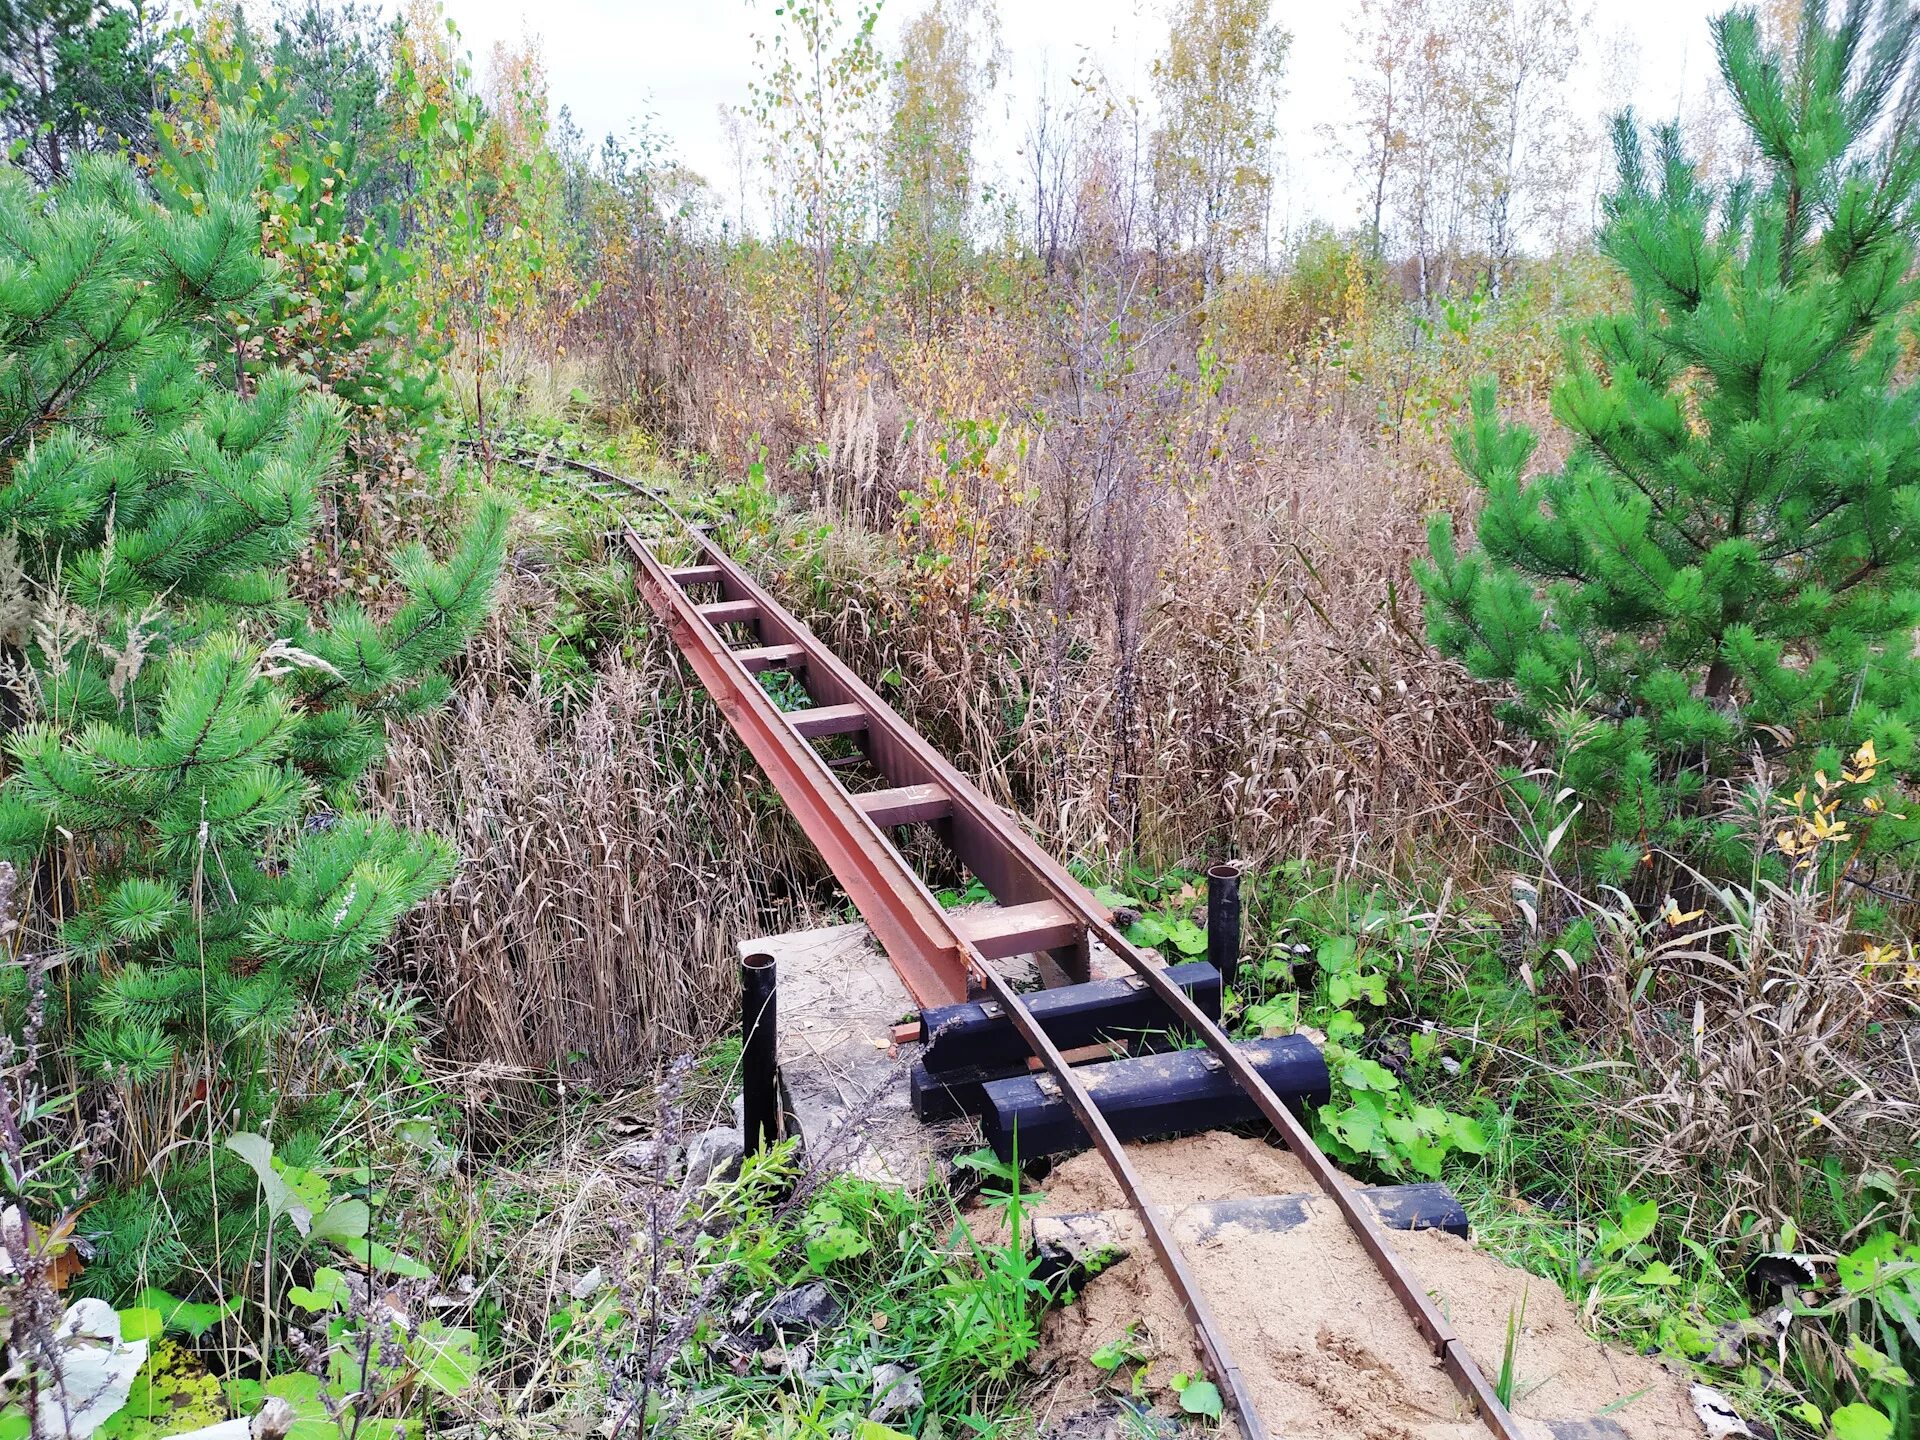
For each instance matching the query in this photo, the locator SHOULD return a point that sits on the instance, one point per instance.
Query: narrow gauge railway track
(944, 957)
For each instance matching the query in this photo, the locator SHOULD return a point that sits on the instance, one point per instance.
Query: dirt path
(1322, 1341)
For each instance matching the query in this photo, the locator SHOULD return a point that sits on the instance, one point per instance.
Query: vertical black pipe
(759, 1071)
(1223, 921)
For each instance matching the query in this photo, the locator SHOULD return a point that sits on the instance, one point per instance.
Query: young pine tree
(183, 742)
(1729, 562)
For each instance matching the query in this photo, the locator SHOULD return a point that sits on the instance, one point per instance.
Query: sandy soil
(1322, 1341)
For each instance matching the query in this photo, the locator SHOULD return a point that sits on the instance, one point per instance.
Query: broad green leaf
(445, 1357)
(1862, 1268)
(1427, 1156)
(1658, 1273)
(874, 1430)
(309, 1187)
(343, 1220)
(1467, 1134)
(1861, 1422)
(375, 1256)
(987, 1163)
(141, 1322)
(1115, 1353)
(1873, 1363)
(1147, 931)
(1360, 1073)
(1344, 1025)
(351, 1369)
(329, 1291)
(835, 1243)
(1187, 937)
(280, 1198)
(1201, 1397)
(1279, 1016)
(1335, 953)
(1635, 1224)
(1359, 1126)
(300, 1390)
(189, 1317)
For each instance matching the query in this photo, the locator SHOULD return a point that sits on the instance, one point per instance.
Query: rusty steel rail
(942, 955)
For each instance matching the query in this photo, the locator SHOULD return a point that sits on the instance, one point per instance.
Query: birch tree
(814, 98)
(1218, 83)
(1517, 126)
(1462, 135)
(950, 59)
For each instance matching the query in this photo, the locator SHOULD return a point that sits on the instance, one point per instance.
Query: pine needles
(187, 742)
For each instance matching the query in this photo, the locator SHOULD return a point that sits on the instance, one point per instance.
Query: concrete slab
(844, 1079)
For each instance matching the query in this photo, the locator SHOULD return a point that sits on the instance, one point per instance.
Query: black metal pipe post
(1223, 921)
(759, 1068)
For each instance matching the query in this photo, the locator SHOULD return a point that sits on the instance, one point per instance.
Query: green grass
(915, 1286)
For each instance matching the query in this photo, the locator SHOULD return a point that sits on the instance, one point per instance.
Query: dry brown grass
(612, 856)
(1249, 677)
(1762, 1045)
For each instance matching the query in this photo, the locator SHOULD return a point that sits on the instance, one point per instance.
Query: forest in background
(377, 869)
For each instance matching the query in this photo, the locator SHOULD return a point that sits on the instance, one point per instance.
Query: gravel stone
(714, 1155)
(802, 1309)
(897, 1391)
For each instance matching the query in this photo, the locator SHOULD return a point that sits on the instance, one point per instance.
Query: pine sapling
(1728, 564)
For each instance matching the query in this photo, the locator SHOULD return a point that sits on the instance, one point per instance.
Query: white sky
(614, 61)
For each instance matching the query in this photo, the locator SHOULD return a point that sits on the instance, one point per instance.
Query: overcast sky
(612, 62)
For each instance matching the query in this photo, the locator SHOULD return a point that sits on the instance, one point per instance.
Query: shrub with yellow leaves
(1827, 832)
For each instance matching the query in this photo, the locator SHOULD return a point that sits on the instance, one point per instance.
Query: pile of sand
(1321, 1340)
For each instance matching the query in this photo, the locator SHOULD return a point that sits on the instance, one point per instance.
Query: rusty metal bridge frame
(944, 956)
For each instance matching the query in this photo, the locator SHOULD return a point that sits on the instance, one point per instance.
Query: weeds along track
(945, 957)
